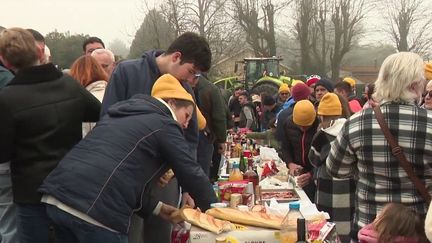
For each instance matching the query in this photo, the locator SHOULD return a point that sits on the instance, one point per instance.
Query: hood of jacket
(336, 127)
(138, 105)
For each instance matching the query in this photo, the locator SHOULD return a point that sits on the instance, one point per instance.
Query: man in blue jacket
(185, 59)
(105, 179)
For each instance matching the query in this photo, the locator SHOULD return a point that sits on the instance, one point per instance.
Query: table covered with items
(260, 204)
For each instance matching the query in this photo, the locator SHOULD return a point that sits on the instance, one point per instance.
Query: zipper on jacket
(303, 148)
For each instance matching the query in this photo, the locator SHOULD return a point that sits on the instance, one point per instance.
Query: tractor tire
(269, 88)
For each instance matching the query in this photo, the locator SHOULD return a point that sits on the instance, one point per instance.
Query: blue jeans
(33, 223)
(8, 228)
(70, 229)
(204, 152)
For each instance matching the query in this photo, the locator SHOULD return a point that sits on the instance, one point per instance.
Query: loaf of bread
(259, 219)
(205, 221)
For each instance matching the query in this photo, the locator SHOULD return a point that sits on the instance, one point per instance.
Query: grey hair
(397, 75)
(103, 52)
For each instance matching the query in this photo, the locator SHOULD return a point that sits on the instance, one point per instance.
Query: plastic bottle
(235, 174)
(288, 233)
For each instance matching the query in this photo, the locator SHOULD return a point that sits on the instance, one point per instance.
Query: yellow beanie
(351, 81)
(304, 113)
(330, 105)
(428, 71)
(284, 88)
(295, 81)
(167, 86)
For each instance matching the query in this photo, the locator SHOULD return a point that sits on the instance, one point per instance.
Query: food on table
(259, 219)
(206, 221)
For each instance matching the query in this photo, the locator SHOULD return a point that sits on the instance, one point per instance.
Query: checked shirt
(362, 148)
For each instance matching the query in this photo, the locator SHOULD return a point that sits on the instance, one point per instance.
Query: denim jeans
(204, 153)
(70, 229)
(8, 228)
(32, 223)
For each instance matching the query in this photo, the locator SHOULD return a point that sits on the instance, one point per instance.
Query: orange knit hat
(167, 86)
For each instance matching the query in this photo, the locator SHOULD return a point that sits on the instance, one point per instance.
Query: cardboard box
(248, 234)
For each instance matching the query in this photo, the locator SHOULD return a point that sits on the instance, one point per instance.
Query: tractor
(261, 75)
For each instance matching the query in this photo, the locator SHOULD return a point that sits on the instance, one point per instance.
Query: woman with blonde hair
(361, 150)
(91, 75)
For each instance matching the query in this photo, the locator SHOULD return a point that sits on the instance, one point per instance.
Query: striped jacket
(361, 147)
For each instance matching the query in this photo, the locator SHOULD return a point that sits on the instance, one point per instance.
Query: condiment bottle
(235, 174)
(250, 174)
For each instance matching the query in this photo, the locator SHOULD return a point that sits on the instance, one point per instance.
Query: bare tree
(346, 18)
(321, 37)
(257, 19)
(211, 20)
(408, 24)
(175, 11)
(305, 10)
(154, 33)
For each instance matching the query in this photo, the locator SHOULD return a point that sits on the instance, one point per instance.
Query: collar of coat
(36, 74)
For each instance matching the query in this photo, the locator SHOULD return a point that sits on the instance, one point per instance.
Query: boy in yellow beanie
(300, 127)
(333, 196)
(122, 157)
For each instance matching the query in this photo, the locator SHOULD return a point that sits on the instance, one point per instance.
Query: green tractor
(261, 75)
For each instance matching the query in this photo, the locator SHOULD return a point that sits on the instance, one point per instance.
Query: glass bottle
(288, 233)
(243, 164)
(235, 174)
(301, 230)
(250, 174)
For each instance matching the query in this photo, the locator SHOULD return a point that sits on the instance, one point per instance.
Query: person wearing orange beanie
(167, 86)
(283, 94)
(333, 196)
(122, 157)
(300, 128)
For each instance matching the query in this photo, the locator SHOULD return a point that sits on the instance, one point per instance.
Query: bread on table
(259, 219)
(205, 221)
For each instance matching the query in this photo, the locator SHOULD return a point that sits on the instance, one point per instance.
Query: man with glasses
(185, 59)
(283, 94)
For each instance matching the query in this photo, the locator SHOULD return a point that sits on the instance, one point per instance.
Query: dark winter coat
(137, 76)
(42, 112)
(108, 174)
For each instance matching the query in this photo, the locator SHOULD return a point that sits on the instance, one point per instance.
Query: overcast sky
(106, 19)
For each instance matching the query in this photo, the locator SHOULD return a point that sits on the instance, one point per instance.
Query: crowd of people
(108, 151)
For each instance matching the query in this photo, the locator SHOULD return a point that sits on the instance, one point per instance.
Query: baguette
(205, 221)
(259, 219)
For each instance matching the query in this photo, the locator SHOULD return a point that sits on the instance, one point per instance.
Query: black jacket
(213, 108)
(107, 174)
(42, 112)
(298, 143)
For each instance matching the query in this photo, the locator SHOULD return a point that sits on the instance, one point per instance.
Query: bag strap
(398, 153)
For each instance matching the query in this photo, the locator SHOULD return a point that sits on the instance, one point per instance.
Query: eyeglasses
(428, 93)
(284, 93)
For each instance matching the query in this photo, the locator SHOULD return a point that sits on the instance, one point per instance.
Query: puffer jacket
(107, 175)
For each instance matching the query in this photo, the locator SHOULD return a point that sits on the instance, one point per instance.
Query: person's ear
(176, 57)
(41, 52)
(6, 63)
